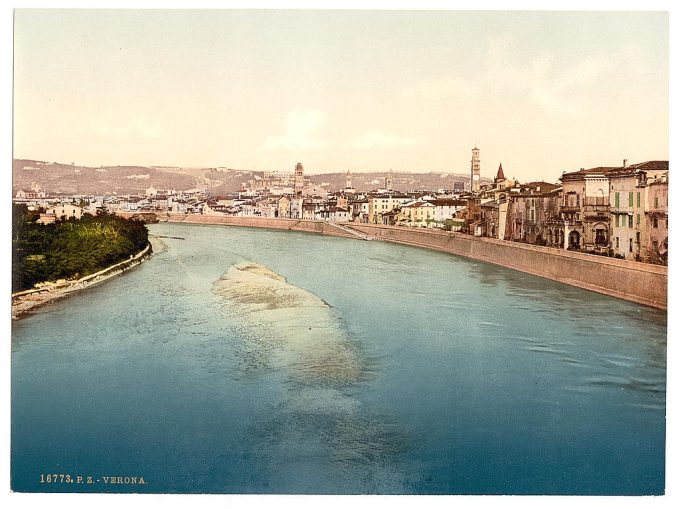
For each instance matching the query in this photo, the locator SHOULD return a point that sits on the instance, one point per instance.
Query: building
(607, 210)
(388, 181)
(313, 190)
(534, 214)
(632, 219)
(66, 211)
(383, 203)
(585, 209)
(417, 213)
(445, 209)
(360, 210)
(348, 189)
(299, 179)
(627, 202)
(656, 220)
(283, 207)
(475, 166)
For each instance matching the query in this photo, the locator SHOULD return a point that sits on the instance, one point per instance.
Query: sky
(540, 92)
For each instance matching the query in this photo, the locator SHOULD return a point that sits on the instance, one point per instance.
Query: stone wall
(634, 281)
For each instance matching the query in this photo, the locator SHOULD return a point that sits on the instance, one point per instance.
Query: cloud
(139, 127)
(555, 89)
(377, 138)
(437, 89)
(301, 132)
(562, 92)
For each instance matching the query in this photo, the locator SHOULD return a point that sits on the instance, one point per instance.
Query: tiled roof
(608, 170)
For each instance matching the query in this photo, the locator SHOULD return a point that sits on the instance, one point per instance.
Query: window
(630, 199)
(630, 221)
(630, 245)
(617, 220)
(656, 202)
(616, 199)
(617, 242)
(637, 220)
(655, 222)
(638, 199)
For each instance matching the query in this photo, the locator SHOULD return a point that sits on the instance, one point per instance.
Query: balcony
(569, 209)
(600, 211)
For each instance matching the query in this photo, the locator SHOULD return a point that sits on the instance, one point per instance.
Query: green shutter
(616, 200)
(637, 220)
(617, 220)
(630, 199)
(638, 199)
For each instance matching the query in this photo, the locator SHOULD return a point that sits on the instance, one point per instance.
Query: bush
(70, 249)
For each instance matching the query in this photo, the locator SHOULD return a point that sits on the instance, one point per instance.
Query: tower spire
(500, 175)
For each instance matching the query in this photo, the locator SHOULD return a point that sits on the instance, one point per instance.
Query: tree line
(71, 248)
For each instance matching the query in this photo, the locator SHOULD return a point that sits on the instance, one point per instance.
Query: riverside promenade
(629, 280)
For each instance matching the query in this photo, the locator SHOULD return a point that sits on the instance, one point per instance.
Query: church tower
(299, 179)
(474, 171)
(348, 180)
(500, 176)
(388, 181)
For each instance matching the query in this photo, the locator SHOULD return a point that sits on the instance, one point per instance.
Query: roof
(418, 204)
(500, 175)
(613, 170)
(490, 204)
(447, 202)
(651, 165)
(537, 188)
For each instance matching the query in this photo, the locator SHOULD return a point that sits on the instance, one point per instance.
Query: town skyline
(342, 90)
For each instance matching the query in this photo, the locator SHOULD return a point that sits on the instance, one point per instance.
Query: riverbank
(27, 300)
(624, 279)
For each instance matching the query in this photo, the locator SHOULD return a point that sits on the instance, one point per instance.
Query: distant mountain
(58, 178)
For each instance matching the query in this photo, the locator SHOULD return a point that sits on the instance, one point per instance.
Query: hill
(69, 179)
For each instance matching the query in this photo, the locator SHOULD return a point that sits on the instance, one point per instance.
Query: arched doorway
(574, 240)
(601, 234)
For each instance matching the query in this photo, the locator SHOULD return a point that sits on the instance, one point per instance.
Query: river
(240, 360)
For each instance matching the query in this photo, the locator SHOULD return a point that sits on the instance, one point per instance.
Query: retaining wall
(634, 281)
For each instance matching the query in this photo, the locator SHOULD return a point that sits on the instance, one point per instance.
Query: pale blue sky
(541, 92)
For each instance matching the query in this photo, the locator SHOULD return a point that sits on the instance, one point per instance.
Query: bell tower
(299, 179)
(474, 171)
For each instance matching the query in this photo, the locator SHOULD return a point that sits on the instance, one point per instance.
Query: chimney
(624, 162)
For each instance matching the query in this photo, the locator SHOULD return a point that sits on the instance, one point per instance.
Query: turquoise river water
(239, 360)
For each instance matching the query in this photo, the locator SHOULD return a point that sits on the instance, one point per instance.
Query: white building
(66, 210)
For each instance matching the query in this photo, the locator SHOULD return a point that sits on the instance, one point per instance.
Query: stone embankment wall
(634, 281)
